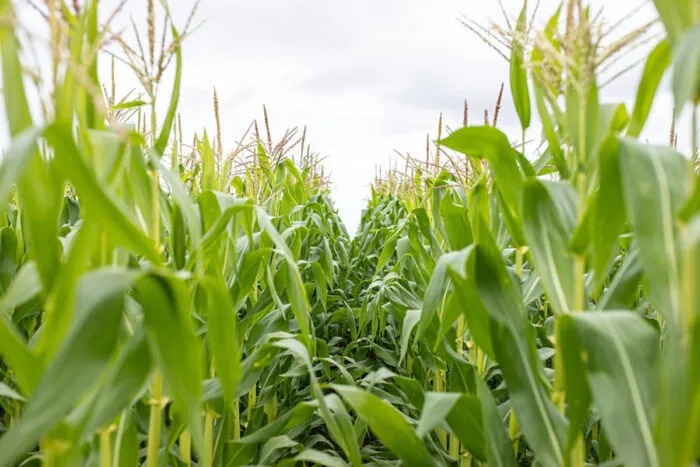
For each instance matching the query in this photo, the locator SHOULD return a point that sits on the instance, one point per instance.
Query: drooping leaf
(388, 425)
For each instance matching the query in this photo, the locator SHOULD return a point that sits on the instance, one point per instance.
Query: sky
(366, 77)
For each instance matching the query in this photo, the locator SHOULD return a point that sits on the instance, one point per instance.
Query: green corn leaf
(654, 181)
(27, 367)
(686, 70)
(499, 451)
(126, 380)
(223, 337)
(492, 145)
(625, 284)
(25, 286)
(314, 457)
(79, 362)
(295, 286)
(477, 318)
(549, 213)
(518, 73)
(436, 407)
(388, 425)
(409, 322)
(466, 421)
(675, 16)
(168, 323)
(578, 397)
(126, 443)
(294, 417)
(656, 64)
(543, 425)
(98, 203)
(623, 358)
(16, 160)
(455, 220)
(164, 136)
(9, 393)
(550, 133)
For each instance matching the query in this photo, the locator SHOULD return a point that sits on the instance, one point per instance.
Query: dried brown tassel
(257, 131)
(497, 110)
(219, 147)
(114, 85)
(151, 32)
(465, 121)
(267, 128)
(303, 141)
(427, 149)
(437, 146)
(673, 128)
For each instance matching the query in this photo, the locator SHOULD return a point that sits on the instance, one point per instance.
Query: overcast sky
(366, 76)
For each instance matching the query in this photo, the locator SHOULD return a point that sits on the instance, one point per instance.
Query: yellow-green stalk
(513, 425)
(236, 420)
(186, 447)
(208, 456)
(105, 448)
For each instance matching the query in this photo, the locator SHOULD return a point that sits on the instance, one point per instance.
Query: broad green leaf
(436, 407)
(455, 220)
(578, 397)
(294, 417)
(550, 133)
(99, 205)
(518, 73)
(27, 367)
(409, 322)
(622, 361)
(609, 206)
(499, 451)
(477, 318)
(164, 136)
(126, 443)
(656, 64)
(388, 425)
(548, 226)
(79, 362)
(686, 70)
(126, 379)
(25, 286)
(654, 181)
(295, 287)
(674, 16)
(166, 307)
(466, 420)
(7, 392)
(492, 145)
(16, 159)
(274, 444)
(223, 337)
(543, 425)
(624, 286)
(319, 457)
(438, 287)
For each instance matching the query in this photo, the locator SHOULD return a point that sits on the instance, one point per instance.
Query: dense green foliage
(159, 309)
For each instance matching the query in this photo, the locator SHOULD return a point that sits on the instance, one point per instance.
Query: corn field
(167, 303)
